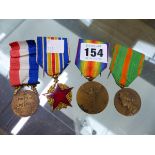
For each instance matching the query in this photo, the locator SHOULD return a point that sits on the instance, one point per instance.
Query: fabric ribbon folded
(126, 65)
(23, 66)
(23, 77)
(25, 48)
(25, 63)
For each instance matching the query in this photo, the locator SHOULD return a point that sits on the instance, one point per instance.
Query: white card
(55, 46)
(94, 52)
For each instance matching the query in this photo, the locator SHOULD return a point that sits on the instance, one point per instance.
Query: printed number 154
(93, 52)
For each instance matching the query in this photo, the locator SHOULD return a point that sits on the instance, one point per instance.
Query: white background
(48, 145)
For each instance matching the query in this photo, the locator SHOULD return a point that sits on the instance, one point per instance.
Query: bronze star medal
(59, 96)
(54, 52)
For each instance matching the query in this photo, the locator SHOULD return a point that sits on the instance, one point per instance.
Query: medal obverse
(53, 58)
(25, 103)
(24, 73)
(91, 60)
(126, 66)
(92, 97)
(127, 101)
(59, 96)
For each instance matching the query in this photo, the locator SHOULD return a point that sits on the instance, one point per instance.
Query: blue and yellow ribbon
(52, 63)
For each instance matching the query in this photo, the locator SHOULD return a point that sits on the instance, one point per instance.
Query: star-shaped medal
(59, 97)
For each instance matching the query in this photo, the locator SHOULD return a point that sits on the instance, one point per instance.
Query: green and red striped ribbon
(126, 65)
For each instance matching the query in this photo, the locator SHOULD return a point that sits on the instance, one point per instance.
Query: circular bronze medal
(25, 103)
(92, 97)
(127, 101)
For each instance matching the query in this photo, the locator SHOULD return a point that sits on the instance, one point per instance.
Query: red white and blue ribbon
(23, 66)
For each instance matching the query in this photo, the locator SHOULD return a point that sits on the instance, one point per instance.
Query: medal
(53, 57)
(125, 66)
(25, 103)
(92, 97)
(127, 101)
(59, 97)
(91, 60)
(24, 73)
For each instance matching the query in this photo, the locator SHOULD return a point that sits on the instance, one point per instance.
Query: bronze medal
(92, 97)
(127, 101)
(25, 103)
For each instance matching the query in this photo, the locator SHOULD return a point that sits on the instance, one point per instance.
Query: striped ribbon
(89, 69)
(23, 66)
(126, 65)
(52, 63)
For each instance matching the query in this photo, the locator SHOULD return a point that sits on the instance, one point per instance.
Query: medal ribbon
(89, 69)
(126, 65)
(23, 66)
(52, 63)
